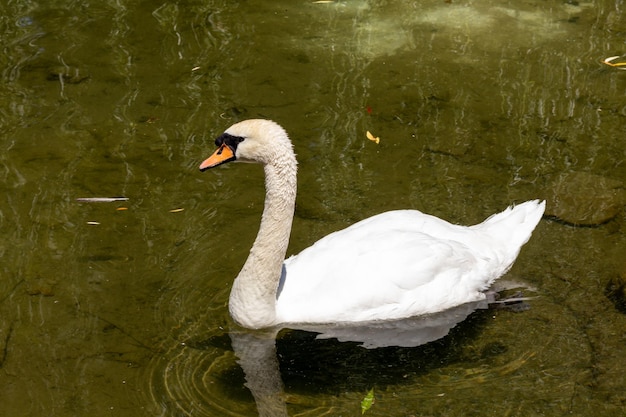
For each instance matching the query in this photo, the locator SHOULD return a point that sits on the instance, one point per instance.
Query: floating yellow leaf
(372, 137)
(121, 208)
(177, 210)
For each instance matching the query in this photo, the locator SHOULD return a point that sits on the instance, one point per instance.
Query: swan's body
(391, 266)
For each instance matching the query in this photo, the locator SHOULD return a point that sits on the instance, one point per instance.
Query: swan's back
(400, 264)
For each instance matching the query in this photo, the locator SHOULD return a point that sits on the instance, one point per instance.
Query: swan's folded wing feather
(353, 276)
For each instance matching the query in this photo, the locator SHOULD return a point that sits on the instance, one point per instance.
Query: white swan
(391, 266)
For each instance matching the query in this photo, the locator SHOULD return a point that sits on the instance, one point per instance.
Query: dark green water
(478, 105)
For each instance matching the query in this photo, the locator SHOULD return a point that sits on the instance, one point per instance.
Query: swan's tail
(515, 224)
(512, 228)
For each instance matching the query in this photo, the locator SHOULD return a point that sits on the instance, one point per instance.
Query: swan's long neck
(253, 296)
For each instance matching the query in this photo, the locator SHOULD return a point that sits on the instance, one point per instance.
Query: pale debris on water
(101, 199)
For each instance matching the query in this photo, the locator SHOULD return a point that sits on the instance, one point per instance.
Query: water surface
(120, 308)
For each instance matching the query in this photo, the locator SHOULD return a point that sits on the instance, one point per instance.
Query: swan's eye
(228, 139)
(234, 140)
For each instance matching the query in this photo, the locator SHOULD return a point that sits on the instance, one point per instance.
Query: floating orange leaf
(372, 137)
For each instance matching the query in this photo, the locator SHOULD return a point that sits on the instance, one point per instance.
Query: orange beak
(222, 155)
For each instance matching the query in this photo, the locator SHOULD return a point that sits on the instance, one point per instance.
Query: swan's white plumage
(394, 265)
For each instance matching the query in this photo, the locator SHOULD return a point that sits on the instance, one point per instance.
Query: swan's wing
(381, 269)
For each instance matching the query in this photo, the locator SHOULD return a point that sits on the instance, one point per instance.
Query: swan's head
(254, 140)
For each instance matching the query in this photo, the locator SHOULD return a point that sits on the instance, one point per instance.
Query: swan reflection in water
(211, 369)
(256, 351)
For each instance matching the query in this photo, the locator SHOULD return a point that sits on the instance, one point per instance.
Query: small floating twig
(609, 61)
